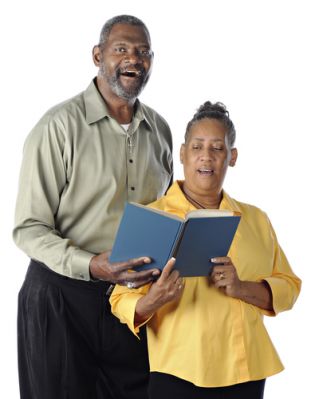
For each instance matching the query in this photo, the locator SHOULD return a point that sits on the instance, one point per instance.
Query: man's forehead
(128, 33)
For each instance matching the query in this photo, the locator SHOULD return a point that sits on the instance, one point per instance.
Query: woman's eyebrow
(202, 139)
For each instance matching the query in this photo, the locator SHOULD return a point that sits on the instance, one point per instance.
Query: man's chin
(128, 93)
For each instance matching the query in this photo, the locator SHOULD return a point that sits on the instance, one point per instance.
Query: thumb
(167, 269)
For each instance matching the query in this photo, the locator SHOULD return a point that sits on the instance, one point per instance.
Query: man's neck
(119, 109)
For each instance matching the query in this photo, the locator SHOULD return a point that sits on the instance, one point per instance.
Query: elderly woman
(206, 337)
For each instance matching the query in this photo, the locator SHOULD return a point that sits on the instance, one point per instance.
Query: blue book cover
(204, 234)
(145, 231)
(204, 238)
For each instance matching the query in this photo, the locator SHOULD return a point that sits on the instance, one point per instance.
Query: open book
(193, 241)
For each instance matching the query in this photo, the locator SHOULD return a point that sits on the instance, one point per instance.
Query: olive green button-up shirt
(79, 168)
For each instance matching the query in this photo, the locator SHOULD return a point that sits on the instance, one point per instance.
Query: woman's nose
(206, 154)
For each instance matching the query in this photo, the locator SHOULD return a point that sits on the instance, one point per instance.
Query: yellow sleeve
(284, 284)
(123, 303)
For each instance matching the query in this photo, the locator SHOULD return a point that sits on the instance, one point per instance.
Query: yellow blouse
(206, 337)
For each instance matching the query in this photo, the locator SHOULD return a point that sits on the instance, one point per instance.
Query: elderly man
(82, 161)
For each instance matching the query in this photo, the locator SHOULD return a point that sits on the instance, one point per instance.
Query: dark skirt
(168, 386)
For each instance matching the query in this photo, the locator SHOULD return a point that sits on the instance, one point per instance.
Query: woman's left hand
(224, 276)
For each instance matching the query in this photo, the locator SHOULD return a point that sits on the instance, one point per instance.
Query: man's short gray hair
(120, 19)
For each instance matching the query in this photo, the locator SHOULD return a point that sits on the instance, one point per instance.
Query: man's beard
(127, 93)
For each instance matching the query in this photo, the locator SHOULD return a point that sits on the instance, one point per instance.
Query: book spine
(178, 240)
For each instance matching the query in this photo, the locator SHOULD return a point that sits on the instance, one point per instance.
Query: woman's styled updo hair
(216, 111)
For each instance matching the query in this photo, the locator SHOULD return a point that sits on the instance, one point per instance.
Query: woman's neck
(211, 201)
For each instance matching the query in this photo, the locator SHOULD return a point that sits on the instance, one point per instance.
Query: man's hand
(117, 273)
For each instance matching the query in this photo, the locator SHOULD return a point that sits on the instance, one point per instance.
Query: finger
(222, 269)
(222, 260)
(131, 263)
(138, 284)
(179, 288)
(174, 276)
(222, 282)
(167, 269)
(179, 283)
(137, 277)
(217, 277)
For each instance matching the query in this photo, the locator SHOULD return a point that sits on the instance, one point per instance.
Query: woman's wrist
(255, 293)
(144, 310)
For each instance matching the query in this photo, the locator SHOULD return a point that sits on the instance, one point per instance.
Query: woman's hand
(224, 276)
(168, 287)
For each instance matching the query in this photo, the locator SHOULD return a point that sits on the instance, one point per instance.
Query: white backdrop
(258, 57)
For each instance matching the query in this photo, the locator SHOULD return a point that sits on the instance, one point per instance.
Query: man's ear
(96, 55)
(233, 158)
(181, 153)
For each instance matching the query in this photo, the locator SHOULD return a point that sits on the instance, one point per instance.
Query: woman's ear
(233, 157)
(181, 153)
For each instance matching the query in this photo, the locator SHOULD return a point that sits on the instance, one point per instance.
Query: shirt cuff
(130, 306)
(81, 264)
(282, 297)
(124, 309)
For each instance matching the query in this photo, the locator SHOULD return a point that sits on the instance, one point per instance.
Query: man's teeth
(131, 73)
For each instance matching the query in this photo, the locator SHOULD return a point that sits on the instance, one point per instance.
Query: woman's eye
(120, 49)
(217, 148)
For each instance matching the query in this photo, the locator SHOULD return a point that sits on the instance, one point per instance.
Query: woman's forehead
(207, 129)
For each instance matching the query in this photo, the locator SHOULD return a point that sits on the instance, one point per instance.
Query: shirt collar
(229, 203)
(96, 108)
(177, 200)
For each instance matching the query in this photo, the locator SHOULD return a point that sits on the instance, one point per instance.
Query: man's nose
(133, 57)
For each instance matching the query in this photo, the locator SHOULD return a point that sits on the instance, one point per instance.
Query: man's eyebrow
(128, 42)
(120, 43)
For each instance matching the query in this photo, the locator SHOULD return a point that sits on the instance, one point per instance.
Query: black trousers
(167, 386)
(70, 346)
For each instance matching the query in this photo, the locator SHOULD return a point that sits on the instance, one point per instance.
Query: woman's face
(206, 156)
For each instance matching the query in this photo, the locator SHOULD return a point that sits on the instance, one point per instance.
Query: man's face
(125, 60)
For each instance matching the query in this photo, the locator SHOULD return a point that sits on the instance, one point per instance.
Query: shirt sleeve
(43, 177)
(284, 284)
(123, 303)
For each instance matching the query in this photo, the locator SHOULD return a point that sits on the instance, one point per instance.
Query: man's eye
(145, 52)
(120, 49)
(196, 147)
(217, 148)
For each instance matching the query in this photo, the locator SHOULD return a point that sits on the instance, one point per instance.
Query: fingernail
(147, 260)
(156, 273)
(213, 260)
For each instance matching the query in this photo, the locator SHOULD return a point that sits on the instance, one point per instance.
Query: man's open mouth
(131, 73)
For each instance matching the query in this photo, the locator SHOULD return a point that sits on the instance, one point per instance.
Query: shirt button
(131, 160)
(132, 188)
